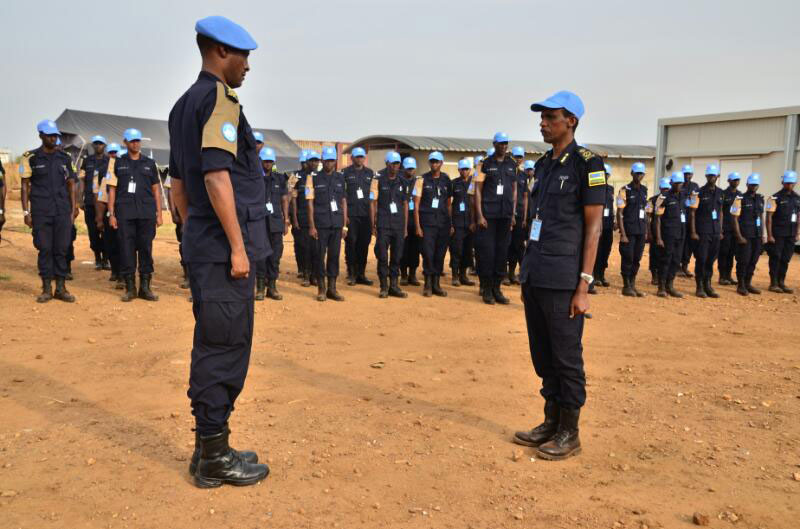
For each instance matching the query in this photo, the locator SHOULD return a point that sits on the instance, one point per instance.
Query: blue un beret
(226, 32)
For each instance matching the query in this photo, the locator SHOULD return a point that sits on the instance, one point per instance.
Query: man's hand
(647, 236)
(623, 239)
(159, 219)
(419, 232)
(312, 232)
(513, 222)
(482, 224)
(770, 239)
(660, 243)
(112, 220)
(28, 221)
(741, 240)
(472, 227)
(721, 236)
(452, 231)
(285, 227)
(240, 264)
(695, 237)
(580, 300)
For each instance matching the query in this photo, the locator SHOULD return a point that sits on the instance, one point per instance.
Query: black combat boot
(130, 288)
(404, 275)
(486, 291)
(512, 274)
(653, 278)
(98, 261)
(603, 281)
(185, 280)
(332, 293)
(710, 292)
(144, 288)
(260, 288)
(47, 291)
(783, 287)
(700, 292)
(384, 282)
(456, 281)
(436, 287)
(565, 443)
(662, 288)
(351, 275)
(272, 290)
(773, 285)
(248, 457)
(113, 277)
(671, 289)
(497, 294)
(314, 279)
(636, 291)
(427, 290)
(464, 278)
(306, 280)
(627, 290)
(361, 279)
(61, 291)
(394, 289)
(685, 271)
(592, 290)
(321, 289)
(749, 285)
(507, 279)
(741, 288)
(723, 279)
(219, 464)
(545, 431)
(120, 284)
(106, 265)
(412, 277)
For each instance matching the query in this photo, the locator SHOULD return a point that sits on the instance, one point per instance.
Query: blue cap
(490, 152)
(393, 157)
(225, 31)
(478, 159)
(358, 151)
(329, 153)
(562, 99)
(731, 176)
(677, 178)
(132, 134)
(518, 151)
(754, 179)
(607, 168)
(112, 147)
(258, 136)
(789, 177)
(267, 154)
(714, 169)
(303, 156)
(500, 137)
(98, 139)
(687, 169)
(410, 163)
(463, 163)
(638, 167)
(312, 155)
(529, 164)
(388, 156)
(435, 155)
(664, 183)
(47, 126)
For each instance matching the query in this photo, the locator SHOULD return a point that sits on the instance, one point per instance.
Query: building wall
(317, 145)
(770, 166)
(727, 137)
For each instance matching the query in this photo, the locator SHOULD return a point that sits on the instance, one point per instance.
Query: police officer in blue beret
(48, 183)
(259, 140)
(219, 189)
(606, 237)
(567, 206)
(670, 227)
(748, 212)
(92, 169)
(277, 203)
(358, 180)
(432, 196)
(655, 250)
(462, 218)
(705, 229)
(3, 189)
(783, 209)
(632, 222)
(411, 248)
(516, 247)
(299, 206)
(689, 188)
(727, 246)
(389, 218)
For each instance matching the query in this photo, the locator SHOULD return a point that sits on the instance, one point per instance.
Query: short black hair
(568, 114)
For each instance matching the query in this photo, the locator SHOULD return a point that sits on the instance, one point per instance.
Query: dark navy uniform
(275, 186)
(51, 208)
(520, 230)
(785, 208)
(110, 234)
(689, 244)
(358, 182)
(748, 210)
(412, 246)
(607, 235)
(671, 208)
(631, 204)
(655, 249)
(302, 241)
(707, 204)
(461, 243)
(727, 246)
(497, 206)
(434, 219)
(91, 171)
(2, 197)
(135, 209)
(208, 132)
(391, 197)
(328, 193)
(551, 269)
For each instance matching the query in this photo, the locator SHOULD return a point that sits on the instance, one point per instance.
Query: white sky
(342, 69)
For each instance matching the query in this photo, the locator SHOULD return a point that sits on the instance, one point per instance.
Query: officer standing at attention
(432, 210)
(388, 213)
(259, 140)
(655, 249)
(277, 201)
(358, 181)
(632, 222)
(782, 210)
(670, 212)
(219, 189)
(411, 248)
(727, 246)
(463, 225)
(567, 206)
(93, 168)
(48, 181)
(690, 245)
(495, 202)
(520, 230)
(292, 186)
(606, 237)
(2, 198)
(102, 220)
(705, 228)
(748, 232)
(327, 217)
(134, 209)
(300, 218)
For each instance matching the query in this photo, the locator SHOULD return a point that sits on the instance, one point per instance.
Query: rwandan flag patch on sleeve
(597, 178)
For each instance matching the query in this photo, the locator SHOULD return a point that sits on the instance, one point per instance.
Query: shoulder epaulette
(27, 154)
(586, 154)
(230, 92)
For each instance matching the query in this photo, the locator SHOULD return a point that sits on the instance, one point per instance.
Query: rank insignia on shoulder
(586, 154)
(564, 158)
(230, 92)
(597, 178)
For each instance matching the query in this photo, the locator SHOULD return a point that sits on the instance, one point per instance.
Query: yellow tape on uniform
(597, 178)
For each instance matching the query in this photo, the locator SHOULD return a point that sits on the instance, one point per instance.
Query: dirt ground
(394, 413)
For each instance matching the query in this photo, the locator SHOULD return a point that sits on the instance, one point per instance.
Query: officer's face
(259, 145)
(554, 125)
(313, 165)
(637, 177)
(99, 148)
(788, 187)
(394, 168)
(329, 165)
(410, 172)
(500, 149)
(267, 165)
(688, 177)
(529, 172)
(464, 173)
(733, 184)
(436, 165)
(112, 154)
(676, 187)
(49, 140)
(134, 146)
(752, 188)
(518, 159)
(358, 161)
(711, 179)
(235, 66)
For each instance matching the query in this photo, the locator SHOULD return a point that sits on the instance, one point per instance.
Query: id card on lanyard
(536, 229)
(132, 187)
(334, 206)
(359, 193)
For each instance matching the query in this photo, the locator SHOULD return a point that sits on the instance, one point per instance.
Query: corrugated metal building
(761, 141)
(620, 157)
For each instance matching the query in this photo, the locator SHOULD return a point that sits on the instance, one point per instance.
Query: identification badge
(758, 222)
(334, 206)
(269, 207)
(435, 203)
(499, 189)
(641, 214)
(605, 212)
(131, 187)
(359, 193)
(683, 217)
(410, 205)
(393, 207)
(794, 217)
(462, 206)
(713, 214)
(536, 229)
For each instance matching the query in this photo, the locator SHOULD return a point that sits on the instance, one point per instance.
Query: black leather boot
(773, 285)
(603, 281)
(361, 279)
(741, 289)
(545, 431)
(412, 277)
(351, 275)
(404, 275)
(314, 279)
(185, 281)
(636, 291)
(626, 287)
(394, 289)
(321, 289)
(512, 274)
(456, 281)
(272, 290)
(120, 284)
(436, 287)
(464, 278)
(98, 261)
(507, 279)
(700, 292)
(130, 288)
(783, 287)
(662, 288)
(427, 290)
(710, 292)
(106, 265)
(260, 289)
(750, 288)
(113, 277)
(248, 457)
(671, 289)
(685, 271)
(497, 294)
(566, 442)
(332, 293)
(486, 291)
(592, 290)
(47, 291)
(144, 288)
(384, 282)
(61, 291)
(306, 280)
(219, 464)
(653, 278)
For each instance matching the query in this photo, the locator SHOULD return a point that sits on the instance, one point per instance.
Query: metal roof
(439, 143)
(731, 116)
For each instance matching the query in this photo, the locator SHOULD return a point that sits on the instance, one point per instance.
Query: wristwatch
(588, 278)
(26, 213)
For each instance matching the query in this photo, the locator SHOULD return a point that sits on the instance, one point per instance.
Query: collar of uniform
(208, 76)
(567, 153)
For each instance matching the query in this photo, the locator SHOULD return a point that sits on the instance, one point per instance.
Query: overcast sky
(342, 69)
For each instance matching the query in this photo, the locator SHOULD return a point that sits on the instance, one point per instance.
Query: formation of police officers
(119, 190)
